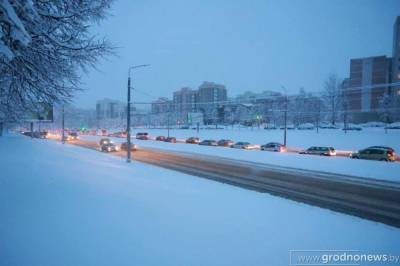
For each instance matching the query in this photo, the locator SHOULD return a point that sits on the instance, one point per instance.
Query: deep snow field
(66, 205)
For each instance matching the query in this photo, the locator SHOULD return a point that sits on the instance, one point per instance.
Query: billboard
(194, 118)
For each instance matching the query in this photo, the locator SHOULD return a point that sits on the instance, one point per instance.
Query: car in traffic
(72, 136)
(377, 153)
(143, 136)
(273, 146)
(315, 150)
(104, 141)
(193, 140)
(208, 142)
(160, 138)
(170, 139)
(124, 146)
(109, 147)
(118, 134)
(225, 143)
(381, 147)
(244, 145)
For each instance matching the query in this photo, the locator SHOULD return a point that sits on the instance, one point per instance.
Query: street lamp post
(285, 118)
(128, 116)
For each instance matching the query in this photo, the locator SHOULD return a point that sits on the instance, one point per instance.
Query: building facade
(211, 96)
(184, 102)
(161, 105)
(110, 109)
(396, 54)
(367, 85)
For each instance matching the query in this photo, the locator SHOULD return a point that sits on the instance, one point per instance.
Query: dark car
(273, 146)
(327, 151)
(226, 143)
(143, 136)
(381, 147)
(104, 141)
(375, 153)
(72, 136)
(160, 138)
(170, 139)
(109, 147)
(193, 140)
(209, 142)
(124, 146)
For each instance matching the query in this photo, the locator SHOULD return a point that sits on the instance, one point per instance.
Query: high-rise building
(396, 54)
(161, 105)
(368, 83)
(184, 101)
(110, 109)
(210, 96)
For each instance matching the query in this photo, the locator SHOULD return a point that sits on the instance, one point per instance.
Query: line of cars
(380, 153)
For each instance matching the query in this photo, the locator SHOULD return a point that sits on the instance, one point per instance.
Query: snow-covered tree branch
(44, 45)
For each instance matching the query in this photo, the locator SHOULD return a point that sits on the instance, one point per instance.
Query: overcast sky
(245, 45)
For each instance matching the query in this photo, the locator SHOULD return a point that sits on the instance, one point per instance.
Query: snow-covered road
(65, 205)
(339, 165)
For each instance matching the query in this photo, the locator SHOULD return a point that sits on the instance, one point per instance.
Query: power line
(346, 92)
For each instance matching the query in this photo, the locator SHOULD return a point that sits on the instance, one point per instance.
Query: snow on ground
(341, 165)
(66, 205)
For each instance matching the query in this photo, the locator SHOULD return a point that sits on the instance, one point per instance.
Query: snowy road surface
(65, 205)
(339, 165)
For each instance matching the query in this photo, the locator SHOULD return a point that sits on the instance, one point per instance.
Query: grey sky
(245, 45)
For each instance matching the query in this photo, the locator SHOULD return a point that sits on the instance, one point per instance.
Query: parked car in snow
(395, 125)
(374, 124)
(104, 141)
(327, 151)
(225, 142)
(124, 146)
(305, 126)
(209, 142)
(193, 140)
(170, 139)
(375, 153)
(244, 145)
(160, 138)
(352, 127)
(109, 147)
(142, 136)
(273, 146)
(381, 147)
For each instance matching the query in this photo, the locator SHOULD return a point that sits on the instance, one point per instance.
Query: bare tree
(44, 45)
(389, 107)
(332, 96)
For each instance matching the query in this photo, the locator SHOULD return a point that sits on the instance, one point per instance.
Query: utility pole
(285, 116)
(285, 133)
(63, 126)
(128, 122)
(168, 123)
